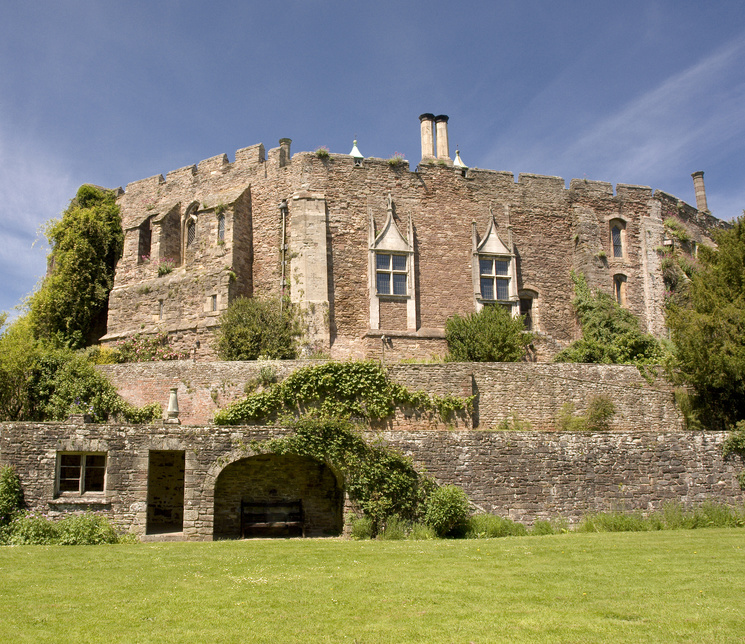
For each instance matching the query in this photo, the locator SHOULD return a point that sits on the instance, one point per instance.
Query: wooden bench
(270, 517)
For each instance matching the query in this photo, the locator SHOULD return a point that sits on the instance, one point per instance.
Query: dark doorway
(165, 491)
(279, 484)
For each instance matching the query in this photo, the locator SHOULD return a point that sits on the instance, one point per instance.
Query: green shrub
(610, 333)
(361, 528)
(599, 412)
(447, 511)
(29, 529)
(541, 528)
(490, 526)
(421, 532)
(614, 522)
(491, 335)
(251, 328)
(146, 348)
(11, 495)
(566, 421)
(85, 529)
(395, 529)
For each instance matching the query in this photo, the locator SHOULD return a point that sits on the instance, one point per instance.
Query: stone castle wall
(319, 251)
(525, 392)
(523, 475)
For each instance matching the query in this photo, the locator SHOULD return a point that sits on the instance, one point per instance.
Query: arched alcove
(268, 478)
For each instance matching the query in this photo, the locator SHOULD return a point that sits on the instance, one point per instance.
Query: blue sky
(108, 93)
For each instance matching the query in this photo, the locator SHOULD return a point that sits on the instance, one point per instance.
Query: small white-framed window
(391, 274)
(81, 472)
(221, 228)
(494, 278)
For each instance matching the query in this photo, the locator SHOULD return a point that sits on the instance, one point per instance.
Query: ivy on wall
(360, 389)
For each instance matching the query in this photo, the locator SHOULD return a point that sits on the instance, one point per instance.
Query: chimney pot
(698, 185)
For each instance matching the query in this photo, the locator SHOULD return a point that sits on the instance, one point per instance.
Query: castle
(378, 256)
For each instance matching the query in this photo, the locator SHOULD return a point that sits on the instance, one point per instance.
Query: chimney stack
(284, 152)
(428, 136)
(443, 147)
(698, 185)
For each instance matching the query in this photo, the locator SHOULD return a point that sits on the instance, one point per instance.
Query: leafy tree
(610, 333)
(491, 335)
(251, 328)
(86, 243)
(19, 351)
(11, 495)
(708, 330)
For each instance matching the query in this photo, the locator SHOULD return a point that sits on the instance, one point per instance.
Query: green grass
(676, 586)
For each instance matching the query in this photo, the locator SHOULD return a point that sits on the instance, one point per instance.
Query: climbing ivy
(380, 480)
(360, 389)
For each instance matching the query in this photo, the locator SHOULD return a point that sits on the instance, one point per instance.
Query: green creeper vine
(735, 444)
(338, 389)
(380, 480)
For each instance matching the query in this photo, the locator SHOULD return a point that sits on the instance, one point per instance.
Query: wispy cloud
(698, 109)
(33, 189)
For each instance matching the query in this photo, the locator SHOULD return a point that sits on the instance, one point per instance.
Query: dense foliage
(252, 328)
(337, 389)
(145, 348)
(708, 330)
(448, 511)
(381, 481)
(45, 381)
(610, 333)
(490, 335)
(11, 495)
(87, 529)
(86, 243)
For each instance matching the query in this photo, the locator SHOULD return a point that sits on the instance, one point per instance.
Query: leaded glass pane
(382, 261)
(221, 228)
(69, 474)
(617, 246)
(399, 283)
(399, 262)
(191, 233)
(503, 289)
(486, 266)
(487, 288)
(383, 283)
(502, 266)
(95, 468)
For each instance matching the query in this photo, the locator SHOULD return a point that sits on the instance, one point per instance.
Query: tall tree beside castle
(709, 330)
(86, 244)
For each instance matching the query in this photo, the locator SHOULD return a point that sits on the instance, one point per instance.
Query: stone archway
(275, 477)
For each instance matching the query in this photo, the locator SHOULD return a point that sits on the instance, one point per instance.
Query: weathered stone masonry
(524, 475)
(527, 392)
(323, 230)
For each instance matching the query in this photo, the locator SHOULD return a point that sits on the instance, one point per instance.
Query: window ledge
(390, 297)
(419, 333)
(80, 500)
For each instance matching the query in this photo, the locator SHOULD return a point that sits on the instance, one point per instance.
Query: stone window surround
(390, 241)
(619, 223)
(82, 467)
(221, 223)
(619, 288)
(491, 247)
(532, 295)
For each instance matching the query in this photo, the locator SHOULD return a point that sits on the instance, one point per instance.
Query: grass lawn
(672, 586)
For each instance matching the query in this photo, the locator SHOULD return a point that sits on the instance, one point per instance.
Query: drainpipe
(283, 252)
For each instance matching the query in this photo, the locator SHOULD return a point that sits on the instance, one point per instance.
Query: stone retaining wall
(523, 475)
(523, 392)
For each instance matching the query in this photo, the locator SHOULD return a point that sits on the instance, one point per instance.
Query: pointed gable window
(494, 268)
(391, 270)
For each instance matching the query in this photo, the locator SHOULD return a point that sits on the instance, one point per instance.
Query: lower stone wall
(512, 393)
(523, 475)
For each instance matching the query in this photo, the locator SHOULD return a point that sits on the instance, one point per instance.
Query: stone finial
(173, 407)
(458, 163)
